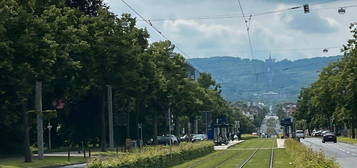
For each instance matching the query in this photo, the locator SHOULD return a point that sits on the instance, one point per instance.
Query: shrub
(304, 157)
(156, 157)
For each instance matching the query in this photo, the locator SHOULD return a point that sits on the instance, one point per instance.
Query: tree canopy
(77, 48)
(332, 99)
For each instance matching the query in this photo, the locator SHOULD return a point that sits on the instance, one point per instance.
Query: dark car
(329, 137)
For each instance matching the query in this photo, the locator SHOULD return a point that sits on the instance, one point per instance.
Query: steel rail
(251, 156)
(271, 164)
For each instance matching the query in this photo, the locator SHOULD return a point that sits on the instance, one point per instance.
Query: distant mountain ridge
(268, 81)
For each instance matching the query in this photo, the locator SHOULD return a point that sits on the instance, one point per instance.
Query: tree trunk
(27, 151)
(177, 126)
(155, 127)
(103, 130)
(353, 131)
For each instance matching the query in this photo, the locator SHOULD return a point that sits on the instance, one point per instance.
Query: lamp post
(341, 11)
(140, 126)
(49, 127)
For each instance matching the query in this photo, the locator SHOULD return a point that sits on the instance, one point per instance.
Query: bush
(248, 136)
(304, 157)
(347, 140)
(156, 157)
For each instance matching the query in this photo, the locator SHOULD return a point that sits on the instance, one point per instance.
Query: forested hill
(269, 81)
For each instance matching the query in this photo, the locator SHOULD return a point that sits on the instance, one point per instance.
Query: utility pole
(206, 123)
(49, 127)
(110, 116)
(169, 113)
(39, 119)
(196, 126)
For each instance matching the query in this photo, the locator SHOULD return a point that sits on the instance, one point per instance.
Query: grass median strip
(236, 155)
(347, 140)
(282, 159)
(304, 157)
(46, 162)
(260, 159)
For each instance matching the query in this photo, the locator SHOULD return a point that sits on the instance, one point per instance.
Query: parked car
(164, 140)
(199, 137)
(300, 134)
(325, 132)
(167, 140)
(329, 137)
(317, 133)
(186, 138)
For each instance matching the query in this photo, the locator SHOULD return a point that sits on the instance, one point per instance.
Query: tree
(332, 98)
(89, 7)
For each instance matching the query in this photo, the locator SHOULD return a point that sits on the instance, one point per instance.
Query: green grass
(260, 159)
(282, 159)
(48, 161)
(236, 155)
(248, 136)
(255, 143)
(347, 140)
(305, 157)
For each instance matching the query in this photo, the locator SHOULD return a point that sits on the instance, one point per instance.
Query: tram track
(271, 161)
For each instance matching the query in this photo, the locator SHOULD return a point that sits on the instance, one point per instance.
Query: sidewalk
(231, 143)
(65, 154)
(280, 143)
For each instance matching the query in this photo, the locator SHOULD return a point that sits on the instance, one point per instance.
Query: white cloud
(274, 33)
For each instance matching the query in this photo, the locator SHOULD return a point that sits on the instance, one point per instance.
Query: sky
(211, 28)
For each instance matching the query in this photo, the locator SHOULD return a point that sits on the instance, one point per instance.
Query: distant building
(252, 109)
(269, 64)
(289, 108)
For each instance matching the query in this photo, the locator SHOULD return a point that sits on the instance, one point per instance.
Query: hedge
(305, 157)
(156, 157)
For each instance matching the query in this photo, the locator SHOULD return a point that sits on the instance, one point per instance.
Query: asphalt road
(345, 154)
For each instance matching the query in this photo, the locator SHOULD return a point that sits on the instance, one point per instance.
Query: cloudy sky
(207, 28)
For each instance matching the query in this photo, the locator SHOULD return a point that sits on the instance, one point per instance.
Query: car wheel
(335, 141)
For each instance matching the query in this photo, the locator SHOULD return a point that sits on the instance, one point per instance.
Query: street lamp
(341, 11)
(49, 127)
(140, 126)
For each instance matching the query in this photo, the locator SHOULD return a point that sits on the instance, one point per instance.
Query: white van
(300, 134)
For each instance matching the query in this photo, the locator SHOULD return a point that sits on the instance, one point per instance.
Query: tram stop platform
(280, 143)
(230, 143)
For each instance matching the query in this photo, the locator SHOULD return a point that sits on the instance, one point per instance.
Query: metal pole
(206, 123)
(110, 117)
(39, 119)
(169, 113)
(141, 135)
(49, 136)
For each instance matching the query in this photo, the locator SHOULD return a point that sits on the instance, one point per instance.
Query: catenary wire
(151, 25)
(232, 16)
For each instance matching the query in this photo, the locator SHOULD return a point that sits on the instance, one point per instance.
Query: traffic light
(306, 8)
(286, 122)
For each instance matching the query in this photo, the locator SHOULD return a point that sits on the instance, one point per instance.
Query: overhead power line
(152, 26)
(247, 25)
(233, 16)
